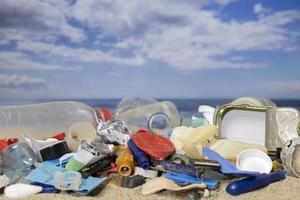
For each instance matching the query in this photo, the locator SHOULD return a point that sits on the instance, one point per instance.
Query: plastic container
(67, 180)
(254, 160)
(41, 121)
(17, 160)
(158, 117)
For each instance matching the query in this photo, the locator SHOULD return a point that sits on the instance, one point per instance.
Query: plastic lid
(254, 160)
(105, 113)
(158, 147)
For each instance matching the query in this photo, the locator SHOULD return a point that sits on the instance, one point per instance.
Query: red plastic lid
(156, 146)
(105, 113)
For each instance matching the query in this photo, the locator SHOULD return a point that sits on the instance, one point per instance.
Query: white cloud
(260, 10)
(23, 19)
(181, 34)
(20, 81)
(184, 35)
(77, 54)
(19, 61)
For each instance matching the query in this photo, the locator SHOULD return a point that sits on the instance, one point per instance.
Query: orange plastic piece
(125, 162)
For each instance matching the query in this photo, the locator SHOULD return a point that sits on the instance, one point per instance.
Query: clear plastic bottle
(43, 120)
(158, 117)
(17, 160)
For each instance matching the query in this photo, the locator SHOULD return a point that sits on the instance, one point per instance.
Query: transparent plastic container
(43, 120)
(17, 160)
(67, 180)
(158, 117)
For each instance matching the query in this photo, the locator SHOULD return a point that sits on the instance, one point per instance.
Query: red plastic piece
(7, 141)
(105, 114)
(59, 136)
(156, 146)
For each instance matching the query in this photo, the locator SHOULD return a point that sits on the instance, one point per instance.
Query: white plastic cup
(80, 131)
(254, 160)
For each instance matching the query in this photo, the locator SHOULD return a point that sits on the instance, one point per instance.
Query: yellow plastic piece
(125, 162)
(229, 149)
(197, 139)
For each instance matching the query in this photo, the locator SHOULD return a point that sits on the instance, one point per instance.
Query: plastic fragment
(21, 191)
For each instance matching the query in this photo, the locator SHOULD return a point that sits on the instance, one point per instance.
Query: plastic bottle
(158, 117)
(17, 160)
(43, 120)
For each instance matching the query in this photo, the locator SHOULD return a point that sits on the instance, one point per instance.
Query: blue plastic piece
(183, 179)
(226, 166)
(254, 183)
(46, 188)
(45, 174)
(140, 157)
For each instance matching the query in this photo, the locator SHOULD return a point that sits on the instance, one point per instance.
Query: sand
(286, 189)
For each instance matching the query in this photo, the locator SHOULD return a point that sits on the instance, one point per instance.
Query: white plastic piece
(145, 173)
(65, 157)
(21, 191)
(85, 157)
(254, 160)
(244, 126)
(70, 180)
(229, 149)
(282, 125)
(207, 112)
(290, 156)
(115, 131)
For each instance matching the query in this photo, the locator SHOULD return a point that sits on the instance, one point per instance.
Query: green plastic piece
(74, 165)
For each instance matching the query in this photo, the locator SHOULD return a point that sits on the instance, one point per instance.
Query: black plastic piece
(98, 167)
(132, 181)
(54, 151)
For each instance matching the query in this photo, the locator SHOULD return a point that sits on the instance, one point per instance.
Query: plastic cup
(254, 160)
(80, 131)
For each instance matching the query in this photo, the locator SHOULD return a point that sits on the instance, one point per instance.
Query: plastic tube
(125, 162)
(140, 157)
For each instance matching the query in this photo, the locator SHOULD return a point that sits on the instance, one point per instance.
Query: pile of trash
(69, 146)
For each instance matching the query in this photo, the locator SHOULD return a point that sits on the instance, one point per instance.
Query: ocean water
(186, 107)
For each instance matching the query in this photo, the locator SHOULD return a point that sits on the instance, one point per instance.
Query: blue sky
(158, 48)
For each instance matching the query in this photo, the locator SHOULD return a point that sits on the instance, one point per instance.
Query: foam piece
(21, 191)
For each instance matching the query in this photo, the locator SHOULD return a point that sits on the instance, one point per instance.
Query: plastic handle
(183, 179)
(254, 183)
(141, 158)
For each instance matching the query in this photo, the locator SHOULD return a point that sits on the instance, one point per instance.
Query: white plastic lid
(254, 160)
